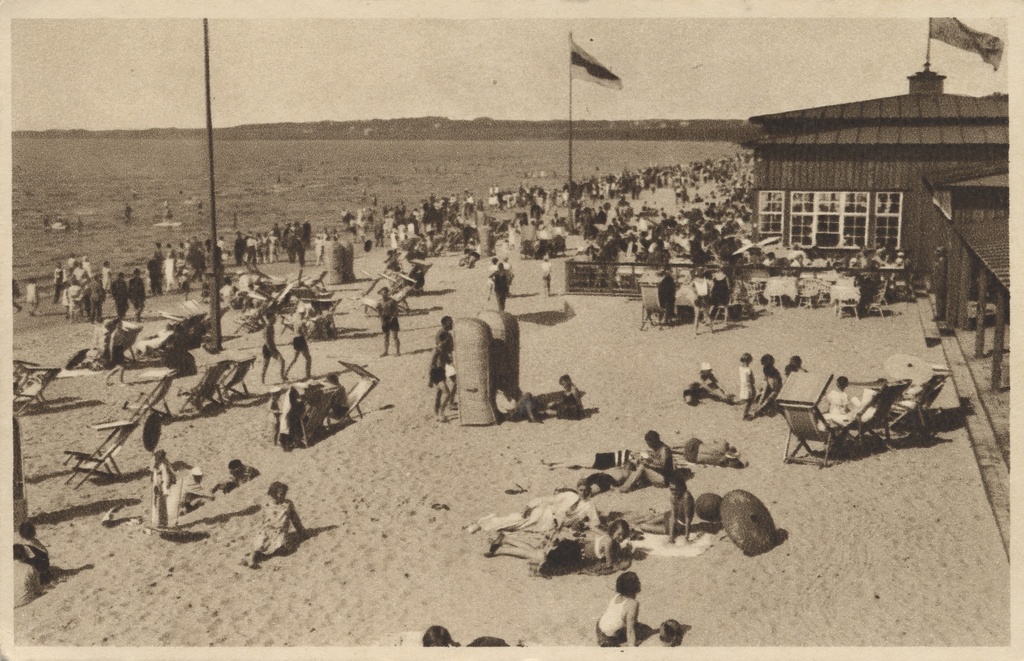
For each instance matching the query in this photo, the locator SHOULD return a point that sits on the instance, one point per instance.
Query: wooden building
(975, 206)
(851, 175)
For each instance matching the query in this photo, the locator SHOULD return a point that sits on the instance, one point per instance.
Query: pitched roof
(894, 134)
(990, 241)
(978, 175)
(902, 107)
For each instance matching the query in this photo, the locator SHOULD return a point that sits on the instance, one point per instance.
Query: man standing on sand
(501, 281)
(239, 248)
(137, 293)
(119, 292)
(389, 321)
(270, 350)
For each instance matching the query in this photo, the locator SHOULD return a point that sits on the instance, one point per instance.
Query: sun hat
(705, 367)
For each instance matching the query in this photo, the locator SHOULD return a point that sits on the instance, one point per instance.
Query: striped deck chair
(651, 311)
(30, 382)
(233, 379)
(206, 391)
(367, 382)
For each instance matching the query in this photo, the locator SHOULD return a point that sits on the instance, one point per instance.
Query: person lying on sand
(438, 636)
(653, 468)
(565, 553)
(712, 453)
(568, 508)
(239, 475)
(281, 527)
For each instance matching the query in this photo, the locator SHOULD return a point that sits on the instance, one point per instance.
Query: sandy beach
(896, 549)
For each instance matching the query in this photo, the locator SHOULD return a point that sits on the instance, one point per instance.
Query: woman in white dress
(170, 270)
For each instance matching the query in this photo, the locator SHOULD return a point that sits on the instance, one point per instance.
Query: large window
(769, 212)
(829, 219)
(888, 219)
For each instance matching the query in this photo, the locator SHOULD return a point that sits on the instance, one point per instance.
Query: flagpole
(928, 52)
(215, 265)
(571, 215)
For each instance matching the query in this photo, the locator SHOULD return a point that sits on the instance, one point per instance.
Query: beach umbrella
(747, 522)
(903, 366)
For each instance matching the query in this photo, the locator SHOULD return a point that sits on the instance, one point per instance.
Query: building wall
(969, 206)
(872, 168)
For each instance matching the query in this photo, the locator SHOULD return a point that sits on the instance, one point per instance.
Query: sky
(135, 74)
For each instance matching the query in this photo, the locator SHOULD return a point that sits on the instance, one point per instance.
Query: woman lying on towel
(566, 509)
(563, 553)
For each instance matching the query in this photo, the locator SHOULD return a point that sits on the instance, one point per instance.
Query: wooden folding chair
(798, 400)
(872, 423)
(154, 399)
(367, 382)
(318, 400)
(30, 382)
(233, 379)
(910, 414)
(206, 391)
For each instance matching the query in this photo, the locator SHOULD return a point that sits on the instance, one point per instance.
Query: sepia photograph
(355, 327)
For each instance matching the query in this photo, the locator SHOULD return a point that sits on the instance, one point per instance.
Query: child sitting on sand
(654, 468)
(279, 520)
(618, 623)
(570, 406)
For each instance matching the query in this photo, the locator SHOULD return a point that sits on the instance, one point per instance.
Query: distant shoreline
(439, 128)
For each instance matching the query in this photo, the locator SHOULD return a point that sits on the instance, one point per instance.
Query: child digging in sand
(279, 519)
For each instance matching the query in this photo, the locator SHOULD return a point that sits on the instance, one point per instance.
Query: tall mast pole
(215, 263)
(572, 216)
(928, 52)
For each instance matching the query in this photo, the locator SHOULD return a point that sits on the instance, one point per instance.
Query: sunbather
(711, 386)
(570, 405)
(194, 494)
(239, 475)
(164, 479)
(617, 625)
(712, 453)
(281, 526)
(565, 509)
(301, 347)
(772, 385)
(564, 553)
(525, 407)
(655, 468)
(840, 407)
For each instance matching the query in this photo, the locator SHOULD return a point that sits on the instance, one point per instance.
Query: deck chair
(206, 391)
(651, 311)
(30, 382)
(318, 400)
(798, 401)
(103, 458)
(154, 399)
(909, 415)
(233, 379)
(367, 382)
(872, 424)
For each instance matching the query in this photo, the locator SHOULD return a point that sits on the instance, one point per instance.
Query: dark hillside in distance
(440, 128)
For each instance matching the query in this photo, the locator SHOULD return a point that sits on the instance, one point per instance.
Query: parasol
(904, 366)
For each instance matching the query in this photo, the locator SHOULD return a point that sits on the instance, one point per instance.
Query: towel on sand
(659, 545)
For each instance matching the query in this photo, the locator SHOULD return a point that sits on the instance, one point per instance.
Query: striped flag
(584, 67)
(951, 31)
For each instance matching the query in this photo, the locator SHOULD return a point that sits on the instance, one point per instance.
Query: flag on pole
(951, 31)
(584, 67)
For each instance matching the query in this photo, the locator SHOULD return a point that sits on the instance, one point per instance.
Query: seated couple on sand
(566, 403)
